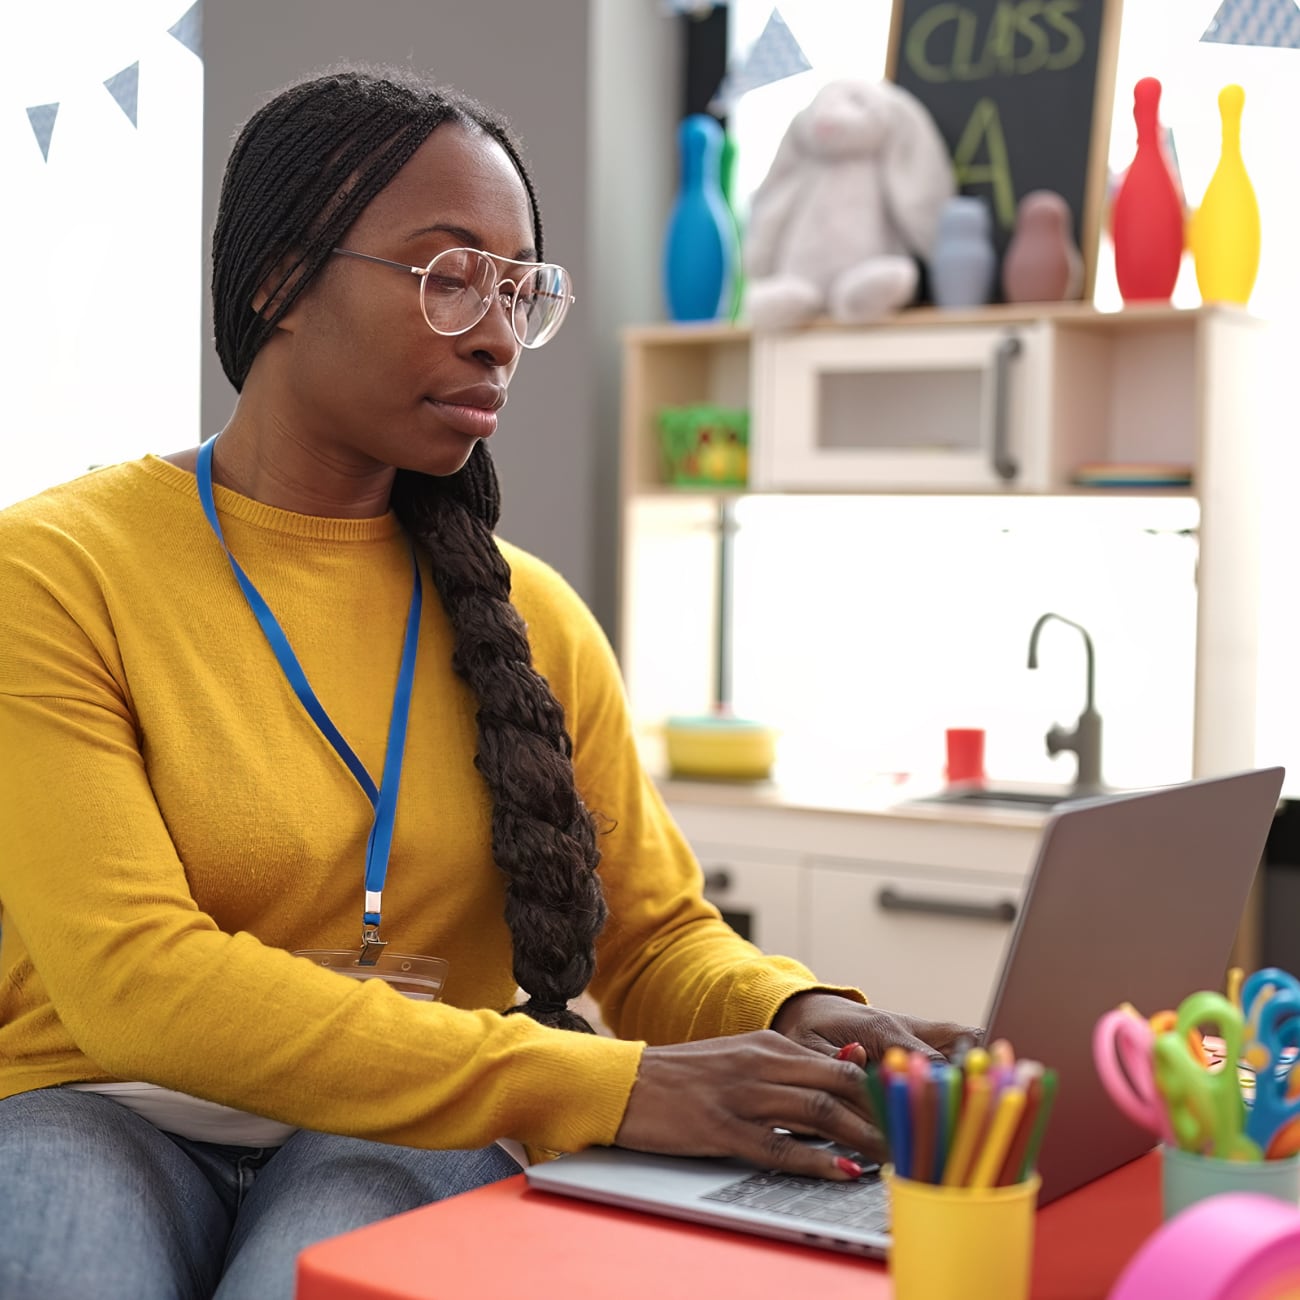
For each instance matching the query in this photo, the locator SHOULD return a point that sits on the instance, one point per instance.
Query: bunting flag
(42, 116)
(124, 86)
(773, 57)
(188, 28)
(1256, 22)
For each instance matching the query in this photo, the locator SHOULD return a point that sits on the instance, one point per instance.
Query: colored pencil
(1032, 1082)
(955, 1084)
(989, 1159)
(969, 1131)
(945, 1077)
(900, 1137)
(924, 1136)
(894, 1061)
(1040, 1124)
(1001, 1054)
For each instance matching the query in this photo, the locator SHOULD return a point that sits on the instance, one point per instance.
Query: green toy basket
(704, 445)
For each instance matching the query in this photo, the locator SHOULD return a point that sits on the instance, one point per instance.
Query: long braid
(542, 835)
(304, 167)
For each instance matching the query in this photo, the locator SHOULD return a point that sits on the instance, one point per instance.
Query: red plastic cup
(965, 748)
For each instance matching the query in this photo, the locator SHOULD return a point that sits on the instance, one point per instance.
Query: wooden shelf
(1147, 383)
(1073, 314)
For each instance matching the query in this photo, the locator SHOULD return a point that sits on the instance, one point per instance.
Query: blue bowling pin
(701, 254)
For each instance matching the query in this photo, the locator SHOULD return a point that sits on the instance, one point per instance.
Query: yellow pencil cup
(961, 1243)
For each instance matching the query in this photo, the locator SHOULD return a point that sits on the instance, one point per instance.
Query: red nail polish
(845, 1052)
(847, 1166)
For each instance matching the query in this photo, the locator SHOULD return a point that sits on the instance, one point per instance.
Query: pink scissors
(1123, 1049)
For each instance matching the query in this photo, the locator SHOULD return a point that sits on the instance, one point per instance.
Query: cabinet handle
(890, 900)
(717, 880)
(1004, 464)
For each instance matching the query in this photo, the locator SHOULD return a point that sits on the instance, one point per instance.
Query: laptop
(1133, 897)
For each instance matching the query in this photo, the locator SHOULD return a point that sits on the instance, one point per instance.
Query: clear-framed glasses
(457, 288)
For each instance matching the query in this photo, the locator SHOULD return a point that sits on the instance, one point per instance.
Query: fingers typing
(747, 1096)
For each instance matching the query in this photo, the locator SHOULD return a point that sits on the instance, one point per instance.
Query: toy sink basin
(992, 796)
(719, 748)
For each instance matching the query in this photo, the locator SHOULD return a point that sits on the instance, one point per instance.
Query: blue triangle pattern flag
(1256, 22)
(774, 56)
(188, 28)
(124, 86)
(42, 116)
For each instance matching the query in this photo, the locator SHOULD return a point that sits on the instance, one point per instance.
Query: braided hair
(303, 168)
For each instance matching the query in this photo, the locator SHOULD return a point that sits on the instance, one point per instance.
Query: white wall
(635, 75)
(100, 241)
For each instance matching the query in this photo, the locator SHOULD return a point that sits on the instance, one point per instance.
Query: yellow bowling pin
(1224, 233)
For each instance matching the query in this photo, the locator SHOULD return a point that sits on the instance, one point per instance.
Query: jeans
(94, 1200)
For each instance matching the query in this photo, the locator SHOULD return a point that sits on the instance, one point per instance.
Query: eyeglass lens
(457, 289)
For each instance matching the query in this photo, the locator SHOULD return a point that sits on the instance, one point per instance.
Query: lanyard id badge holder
(421, 978)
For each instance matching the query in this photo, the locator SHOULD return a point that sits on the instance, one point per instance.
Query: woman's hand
(829, 1023)
(732, 1096)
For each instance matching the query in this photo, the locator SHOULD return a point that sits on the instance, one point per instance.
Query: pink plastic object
(1042, 262)
(1238, 1246)
(1122, 1053)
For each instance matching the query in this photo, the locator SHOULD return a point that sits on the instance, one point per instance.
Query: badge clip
(372, 946)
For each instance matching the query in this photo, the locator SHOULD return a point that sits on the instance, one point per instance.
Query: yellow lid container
(720, 748)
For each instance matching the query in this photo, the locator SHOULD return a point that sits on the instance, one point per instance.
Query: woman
(218, 671)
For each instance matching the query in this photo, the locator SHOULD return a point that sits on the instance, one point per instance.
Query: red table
(504, 1241)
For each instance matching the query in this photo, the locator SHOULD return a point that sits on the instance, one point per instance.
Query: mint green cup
(1187, 1178)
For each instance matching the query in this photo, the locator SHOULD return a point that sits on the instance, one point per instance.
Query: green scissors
(1207, 1111)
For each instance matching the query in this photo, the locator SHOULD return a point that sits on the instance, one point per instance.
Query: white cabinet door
(761, 900)
(930, 945)
(901, 409)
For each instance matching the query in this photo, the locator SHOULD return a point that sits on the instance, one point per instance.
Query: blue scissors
(1271, 1004)
(1261, 986)
(1207, 1111)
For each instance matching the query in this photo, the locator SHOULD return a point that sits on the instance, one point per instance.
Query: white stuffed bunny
(853, 196)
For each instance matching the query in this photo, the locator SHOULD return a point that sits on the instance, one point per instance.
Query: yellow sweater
(173, 826)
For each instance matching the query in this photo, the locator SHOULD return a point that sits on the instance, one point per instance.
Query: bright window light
(102, 242)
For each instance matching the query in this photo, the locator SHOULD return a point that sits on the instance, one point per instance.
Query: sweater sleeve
(669, 969)
(104, 944)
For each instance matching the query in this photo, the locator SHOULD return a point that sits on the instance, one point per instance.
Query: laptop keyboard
(861, 1204)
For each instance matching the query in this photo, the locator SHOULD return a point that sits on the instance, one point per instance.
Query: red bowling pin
(1147, 220)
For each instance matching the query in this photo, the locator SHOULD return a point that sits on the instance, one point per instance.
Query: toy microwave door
(901, 408)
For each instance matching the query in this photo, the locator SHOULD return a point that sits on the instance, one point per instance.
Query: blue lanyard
(384, 798)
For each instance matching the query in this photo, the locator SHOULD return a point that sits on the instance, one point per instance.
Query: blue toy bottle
(963, 264)
(700, 251)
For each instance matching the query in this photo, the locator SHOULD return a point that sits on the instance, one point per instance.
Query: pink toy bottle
(1042, 262)
(1147, 221)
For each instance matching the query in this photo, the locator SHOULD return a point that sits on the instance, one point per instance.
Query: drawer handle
(717, 880)
(1004, 464)
(890, 900)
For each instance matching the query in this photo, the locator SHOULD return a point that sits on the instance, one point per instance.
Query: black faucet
(1085, 739)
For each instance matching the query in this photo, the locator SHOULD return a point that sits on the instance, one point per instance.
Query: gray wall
(592, 87)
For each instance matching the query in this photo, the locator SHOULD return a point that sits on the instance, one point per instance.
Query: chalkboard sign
(1021, 90)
